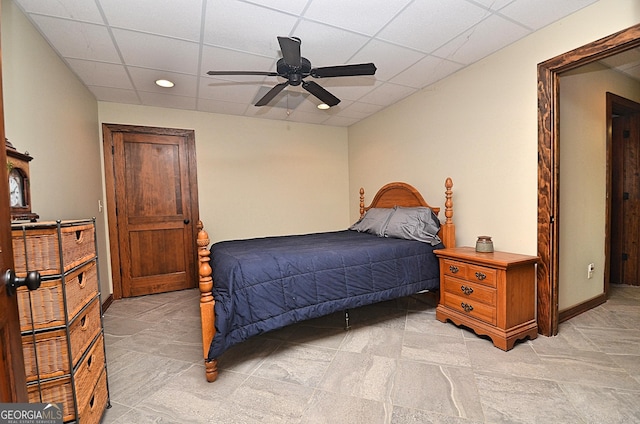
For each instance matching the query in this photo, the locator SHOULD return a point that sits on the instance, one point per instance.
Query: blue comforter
(267, 283)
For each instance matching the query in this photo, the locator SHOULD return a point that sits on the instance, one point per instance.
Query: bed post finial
(207, 316)
(361, 202)
(448, 229)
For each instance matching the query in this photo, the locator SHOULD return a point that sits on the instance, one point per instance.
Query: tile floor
(397, 364)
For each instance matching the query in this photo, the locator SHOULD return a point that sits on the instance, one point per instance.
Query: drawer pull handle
(466, 290)
(466, 307)
(481, 276)
(454, 269)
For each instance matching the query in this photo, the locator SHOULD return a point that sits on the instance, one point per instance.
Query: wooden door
(152, 207)
(13, 383)
(625, 198)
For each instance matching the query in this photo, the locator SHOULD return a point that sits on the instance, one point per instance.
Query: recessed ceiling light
(323, 106)
(164, 83)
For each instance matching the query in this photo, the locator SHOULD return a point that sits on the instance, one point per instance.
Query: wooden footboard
(207, 313)
(388, 196)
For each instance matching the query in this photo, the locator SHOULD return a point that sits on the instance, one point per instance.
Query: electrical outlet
(590, 269)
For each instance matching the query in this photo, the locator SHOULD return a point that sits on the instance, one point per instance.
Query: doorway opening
(623, 120)
(548, 162)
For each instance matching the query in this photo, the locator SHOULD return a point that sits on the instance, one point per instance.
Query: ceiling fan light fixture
(323, 106)
(164, 83)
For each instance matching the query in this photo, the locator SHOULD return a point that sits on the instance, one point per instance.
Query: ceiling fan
(296, 68)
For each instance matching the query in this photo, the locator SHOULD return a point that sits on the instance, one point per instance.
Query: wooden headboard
(403, 194)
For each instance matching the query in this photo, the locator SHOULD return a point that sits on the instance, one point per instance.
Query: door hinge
(625, 256)
(552, 219)
(626, 134)
(625, 195)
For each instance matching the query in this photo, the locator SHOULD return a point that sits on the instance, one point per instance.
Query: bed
(263, 284)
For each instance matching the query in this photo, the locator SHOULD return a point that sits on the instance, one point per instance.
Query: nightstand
(494, 294)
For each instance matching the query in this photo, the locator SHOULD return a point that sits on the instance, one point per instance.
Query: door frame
(109, 170)
(549, 166)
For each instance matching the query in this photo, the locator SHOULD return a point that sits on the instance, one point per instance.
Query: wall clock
(19, 188)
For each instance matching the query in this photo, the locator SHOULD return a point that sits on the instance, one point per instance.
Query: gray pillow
(374, 221)
(419, 223)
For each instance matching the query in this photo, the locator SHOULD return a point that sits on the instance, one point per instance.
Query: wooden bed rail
(391, 194)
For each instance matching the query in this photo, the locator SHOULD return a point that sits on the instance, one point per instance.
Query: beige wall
(258, 177)
(479, 126)
(50, 114)
(583, 136)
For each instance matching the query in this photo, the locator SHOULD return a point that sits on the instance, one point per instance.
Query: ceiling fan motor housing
(294, 74)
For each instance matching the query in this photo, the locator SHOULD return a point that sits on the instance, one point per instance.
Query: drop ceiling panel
(115, 95)
(219, 59)
(397, 58)
(180, 19)
(155, 52)
(340, 13)
(319, 43)
(432, 23)
(540, 13)
(426, 72)
(244, 27)
(488, 36)
(78, 40)
(144, 80)
(101, 74)
(80, 10)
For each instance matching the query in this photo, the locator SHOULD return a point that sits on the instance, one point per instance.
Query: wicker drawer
(84, 330)
(80, 286)
(471, 308)
(51, 346)
(89, 371)
(471, 291)
(91, 412)
(53, 355)
(37, 247)
(54, 391)
(61, 391)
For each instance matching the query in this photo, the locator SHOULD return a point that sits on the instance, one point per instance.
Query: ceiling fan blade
(271, 94)
(344, 70)
(318, 91)
(268, 74)
(290, 48)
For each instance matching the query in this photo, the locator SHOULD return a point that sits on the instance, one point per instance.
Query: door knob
(186, 221)
(32, 281)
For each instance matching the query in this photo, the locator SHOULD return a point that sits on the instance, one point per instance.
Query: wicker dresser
(61, 322)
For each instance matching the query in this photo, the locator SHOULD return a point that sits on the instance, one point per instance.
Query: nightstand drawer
(475, 309)
(454, 268)
(482, 275)
(471, 291)
(469, 272)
